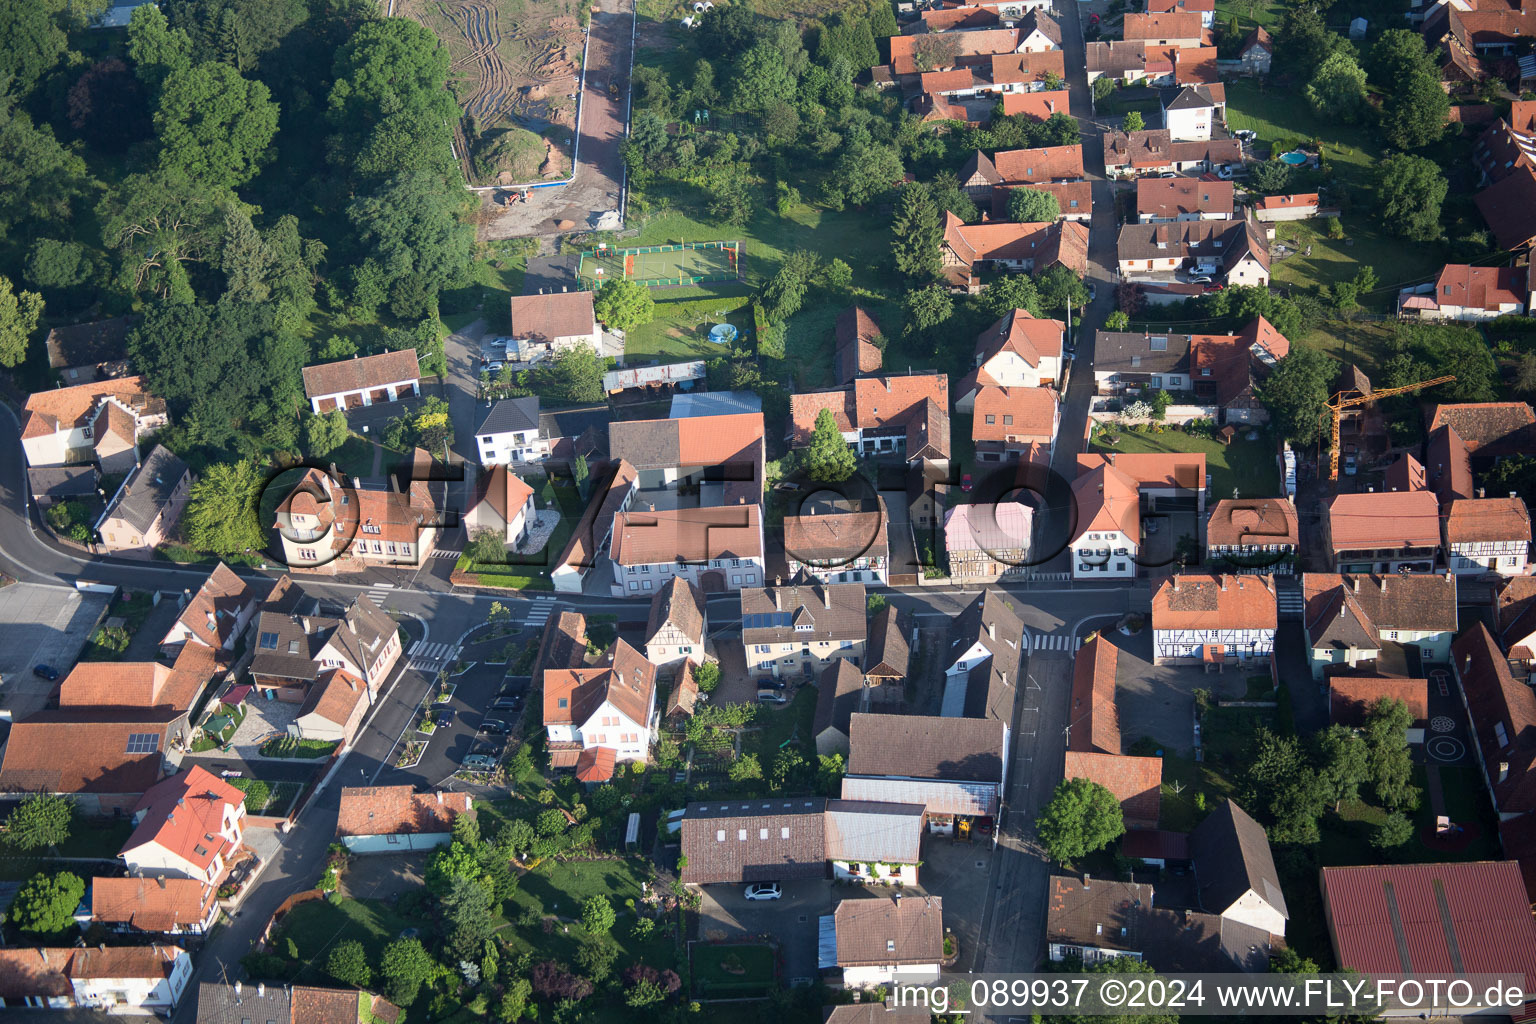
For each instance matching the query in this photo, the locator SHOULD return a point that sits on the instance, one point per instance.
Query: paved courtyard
(42, 625)
(263, 719)
(792, 921)
(1158, 700)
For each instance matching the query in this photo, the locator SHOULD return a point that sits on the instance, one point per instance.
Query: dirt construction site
(515, 72)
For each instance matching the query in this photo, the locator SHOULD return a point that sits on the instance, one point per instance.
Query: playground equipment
(722, 334)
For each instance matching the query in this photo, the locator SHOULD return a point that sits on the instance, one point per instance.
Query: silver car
(764, 891)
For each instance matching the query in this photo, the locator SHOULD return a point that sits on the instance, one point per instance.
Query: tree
(450, 863)
(948, 195)
(597, 914)
(552, 822)
(830, 769)
(155, 48)
(325, 433)
(728, 30)
(237, 32)
(1133, 121)
(916, 236)
(1296, 394)
(471, 913)
(20, 313)
(575, 375)
(215, 126)
(348, 964)
(1304, 42)
(223, 511)
(412, 229)
(863, 172)
(1282, 779)
(1393, 831)
(623, 304)
(159, 221)
(514, 1001)
(828, 459)
(34, 45)
(785, 292)
(596, 958)
(1409, 191)
(57, 266)
(761, 79)
(1341, 763)
(41, 820)
(1060, 287)
(1082, 817)
(45, 905)
(1270, 176)
(1414, 115)
(1117, 321)
(1391, 768)
(1007, 293)
(1337, 88)
(1397, 56)
(1119, 965)
(108, 106)
(1032, 206)
(388, 65)
(555, 984)
(707, 676)
(406, 966)
(926, 308)
(515, 837)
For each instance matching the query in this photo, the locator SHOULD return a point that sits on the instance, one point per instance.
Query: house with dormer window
(101, 423)
(1018, 351)
(216, 616)
(797, 631)
(1214, 620)
(1351, 620)
(605, 713)
(329, 527)
(187, 826)
(296, 641)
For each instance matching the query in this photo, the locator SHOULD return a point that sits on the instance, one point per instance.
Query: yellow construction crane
(1338, 403)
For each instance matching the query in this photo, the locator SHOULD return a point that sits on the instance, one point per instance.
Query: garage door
(327, 404)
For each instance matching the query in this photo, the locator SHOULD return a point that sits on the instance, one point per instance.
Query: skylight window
(269, 641)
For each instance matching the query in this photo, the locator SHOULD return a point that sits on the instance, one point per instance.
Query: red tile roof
(1135, 781)
(212, 612)
(1015, 415)
(1503, 714)
(1037, 105)
(1468, 918)
(627, 682)
(1390, 520)
(1152, 469)
(1171, 197)
(643, 537)
(184, 815)
(595, 764)
(1106, 499)
(398, 810)
(1351, 697)
(1093, 720)
(883, 401)
(1252, 521)
(1509, 207)
(873, 932)
(1030, 337)
(151, 904)
(543, 318)
(1288, 202)
(48, 411)
(334, 696)
(1489, 428)
(1487, 519)
(1030, 166)
(718, 440)
(361, 373)
(1205, 602)
(86, 750)
(1011, 68)
(1153, 27)
(856, 353)
(1485, 288)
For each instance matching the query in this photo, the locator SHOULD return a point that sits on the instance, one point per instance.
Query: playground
(663, 266)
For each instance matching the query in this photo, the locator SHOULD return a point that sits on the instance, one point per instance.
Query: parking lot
(447, 748)
(43, 626)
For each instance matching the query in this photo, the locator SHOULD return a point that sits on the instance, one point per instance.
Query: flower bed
(444, 693)
(411, 754)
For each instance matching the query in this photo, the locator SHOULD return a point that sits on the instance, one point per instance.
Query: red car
(965, 483)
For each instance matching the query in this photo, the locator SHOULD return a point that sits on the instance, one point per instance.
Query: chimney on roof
(1087, 878)
(237, 993)
(778, 595)
(1480, 492)
(826, 595)
(1503, 770)
(1175, 584)
(1111, 458)
(991, 631)
(1354, 581)
(1223, 583)
(261, 990)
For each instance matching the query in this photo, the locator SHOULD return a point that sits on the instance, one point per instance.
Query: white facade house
(549, 323)
(874, 940)
(1484, 535)
(1350, 618)
(612, 707)
(1213, 619)
(1190, 115)
(678, 625)
(397, 819)
(100, 422)
(362, 381)
(100, 982)
(1108, 534)
(716, 549)
(509, 434)
(1018, 351)
(186, 826)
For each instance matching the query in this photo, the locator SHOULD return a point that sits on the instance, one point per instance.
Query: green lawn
(1395, 261)
(531, 571)
(315, 927)
(681, 328)
(1248, 466)
(557, 889)
(1352, 341)
(775, 725)
(492, 284)
(355, 457)
(1229, 732)
(731, 971)
(287, 746)
(96, 837)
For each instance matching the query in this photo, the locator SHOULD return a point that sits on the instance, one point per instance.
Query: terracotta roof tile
(1106, 499)
(1015, 415)
(581, 551)
(1205, 602)
(48, 411)
(1487, 428)
(1171, 197)
(154, 962)
(1231, 856)
(742, 840)
(1351, 697)
(398, 810)
(324, 1005)
(1135, 781)
(1487, 519)
(1037, 105)
(1152, 469)
(1484, 288)
(681, 604)
(213, 611)
(1010, 68)
(1302, 199)
(836, 538)
(364, 372)
(1412, 601)
(1048, 163)
(151, 904)
(1104, 913)
(1252, 521)
(1153, 27)
(86, 750)
(1448, 465)
(1509, 207)
(334, 696)
(595, 764)
(1093, 720)
(856, 354)
(696, 535)
(1503, 714)
(839, 691)
(1391, 520)
(883, 931)
(887, 655)
(541, 319)
(184, 815)
(882, 401)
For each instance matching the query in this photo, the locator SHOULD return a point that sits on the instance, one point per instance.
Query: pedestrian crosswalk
(1288, 602)
(444, 553)
(1055, 642)
(426, 657)
(378, 596)
(539, 611)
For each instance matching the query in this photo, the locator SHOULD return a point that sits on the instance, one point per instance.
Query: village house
(82, 353)
(1092, 920)
(1205, 8)
(859, 344)
(1235, 874)
(1018, 351)
(144, 512)
(1159, 200)
(1093, 720)
(100, 422)
(896, 415)
(886, 658)
(546, 324)
(1128, 63)
(874, 941)
(1039, 106)
(614, 491)
(1213, 619)
(1490, 430)
(1509, 208)
(843, 690)
(1257, 51)
(838, 546)
(873, 843)
(328, 527)
(362, 381)
(983, 176)
(397, 819)
(987, 541)
(1228, 367)
(1135, 781)
(1020, 247)
(234, 1003)
(103, 759)
(1448, 465)
(1253, 535)
(1179, 476)
(721, 454)
(1487, 535)
(510, 433)
(190, 825)
(954, 768)
(606, 711)
(928, 53)
(1351, 698)
(141, 980)
(215, 617)
(682, 698)
(717, 549)
(1502, 712)
(51, 485)
(1127, 362)
(1015, 423)
(1108, 532)
(1382, 532)
(796, 631)
(1475, 915)
(981, 674)
(678, 624)
(144, 685)
(295, 643)
(335, 707)
(504, 505)
(1190, 114)
(157, 905)
(1301, 206)
(1354, 619)
(1232, 250)
(1463, 292)
(1180, 28)
(840, 692)
(1154, 151)
(1509, 145)
(1515, 622)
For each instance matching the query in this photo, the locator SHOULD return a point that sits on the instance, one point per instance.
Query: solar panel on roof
(143, 743)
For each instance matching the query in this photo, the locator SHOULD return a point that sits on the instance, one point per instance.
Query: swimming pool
(1294, 157)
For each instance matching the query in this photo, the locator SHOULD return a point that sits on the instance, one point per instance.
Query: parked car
(480, 763)
(1225, 172)
(507, 704)
(1168, 174)
(764, 891)
(771, 697)
(445, 718)
(494, 726)
(1351, 467)
(494, 367)
(1200, 279)
(966, 483)
(1093, 293)
(47, 672)
(1245, 135)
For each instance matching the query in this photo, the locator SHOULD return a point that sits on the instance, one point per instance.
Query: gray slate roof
(887, 655)
(926, 747)
(1135, 352)
(743, 840)
(61, 481)
(1231, 856)
(148, 489)
(511, 414)
(221, 1004)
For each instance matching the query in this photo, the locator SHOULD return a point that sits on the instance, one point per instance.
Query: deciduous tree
(1032, 206)
(1391, 768)
(325, 433)
(1082, 817)
(155, 48)
(20, 313)
(215, 126)
(34, 44)
(1414, 114)
(45, 905)
(597, 914)
(1296, 394)
(406, 966)
(862, 173)
(109, 107)
(1133, 121)
(623, 304)
(223, 513)
(348, 964)
(1059, 286)
(1337, 88)
(1409, 191)
(39, 178)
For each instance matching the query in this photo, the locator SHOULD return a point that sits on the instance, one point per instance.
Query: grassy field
(1247, 466)
(493, 282)
(1352, 341)
(731, 971)
(1396, 262)
(315, 927)
(681, 328)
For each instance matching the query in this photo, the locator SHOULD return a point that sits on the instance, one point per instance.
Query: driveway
(43, 625)
(792, 921)
(1158, 700)
(957, 872)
